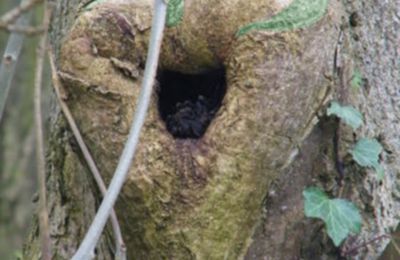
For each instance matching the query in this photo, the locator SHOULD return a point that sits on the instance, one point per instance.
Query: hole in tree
(188, 102)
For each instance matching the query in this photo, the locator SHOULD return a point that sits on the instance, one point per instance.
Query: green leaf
(175, 11)
(91, 4)
(348, 114)
(18, 255)
(380, 171)
(366, 153)
(299, 14)
(341, 217)
(356, 80)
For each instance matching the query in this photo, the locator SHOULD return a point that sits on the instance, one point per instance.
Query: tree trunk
(196, 190)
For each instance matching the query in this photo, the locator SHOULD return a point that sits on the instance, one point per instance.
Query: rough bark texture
(372, 47)
(201, 199)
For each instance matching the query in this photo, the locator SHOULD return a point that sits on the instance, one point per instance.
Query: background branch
(28, 30)
(10, 59)
(16, 12)
(43, 214)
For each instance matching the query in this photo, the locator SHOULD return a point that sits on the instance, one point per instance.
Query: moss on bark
(201, 199)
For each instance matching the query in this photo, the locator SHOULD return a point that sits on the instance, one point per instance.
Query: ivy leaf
(91, 4)
(341, 217)
(356, 80)
(366, 153)
(380, 171)
(299, 14)
(175, 11)
(348, 114)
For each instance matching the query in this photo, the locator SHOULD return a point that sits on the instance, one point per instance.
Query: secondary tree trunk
(265, 92)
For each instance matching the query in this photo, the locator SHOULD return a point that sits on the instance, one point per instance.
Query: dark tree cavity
(188, 102)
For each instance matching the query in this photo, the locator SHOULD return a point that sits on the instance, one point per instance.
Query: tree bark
(201, 198)
(372, 30)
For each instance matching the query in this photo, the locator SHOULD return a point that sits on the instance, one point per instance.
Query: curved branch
(119, 242)
(86, 248)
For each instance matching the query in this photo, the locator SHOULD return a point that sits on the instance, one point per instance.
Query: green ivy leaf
(175, 11)
(91, 4)
(299, 14)
(18, 255)
(356, 80)
(341, 217)
(348, 114)
(366, 153)
(380, 171)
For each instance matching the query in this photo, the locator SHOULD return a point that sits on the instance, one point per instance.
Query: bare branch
(16, 12)
(9, 61)
(396, 246)
(43, 215)
(86, 249)
(28, 30)
(121, 250)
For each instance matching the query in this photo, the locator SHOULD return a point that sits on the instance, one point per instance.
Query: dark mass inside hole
(188, 102)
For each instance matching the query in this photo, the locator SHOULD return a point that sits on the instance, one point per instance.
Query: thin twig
(41, 171)
(395, 246)
(27, 30)
(86, 249)
(9, 61)
(355, 249)
(119, 243)
(13, 14)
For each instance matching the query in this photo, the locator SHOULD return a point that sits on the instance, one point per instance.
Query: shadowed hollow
(188, 102)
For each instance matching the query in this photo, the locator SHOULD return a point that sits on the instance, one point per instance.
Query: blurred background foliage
(17, 160)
